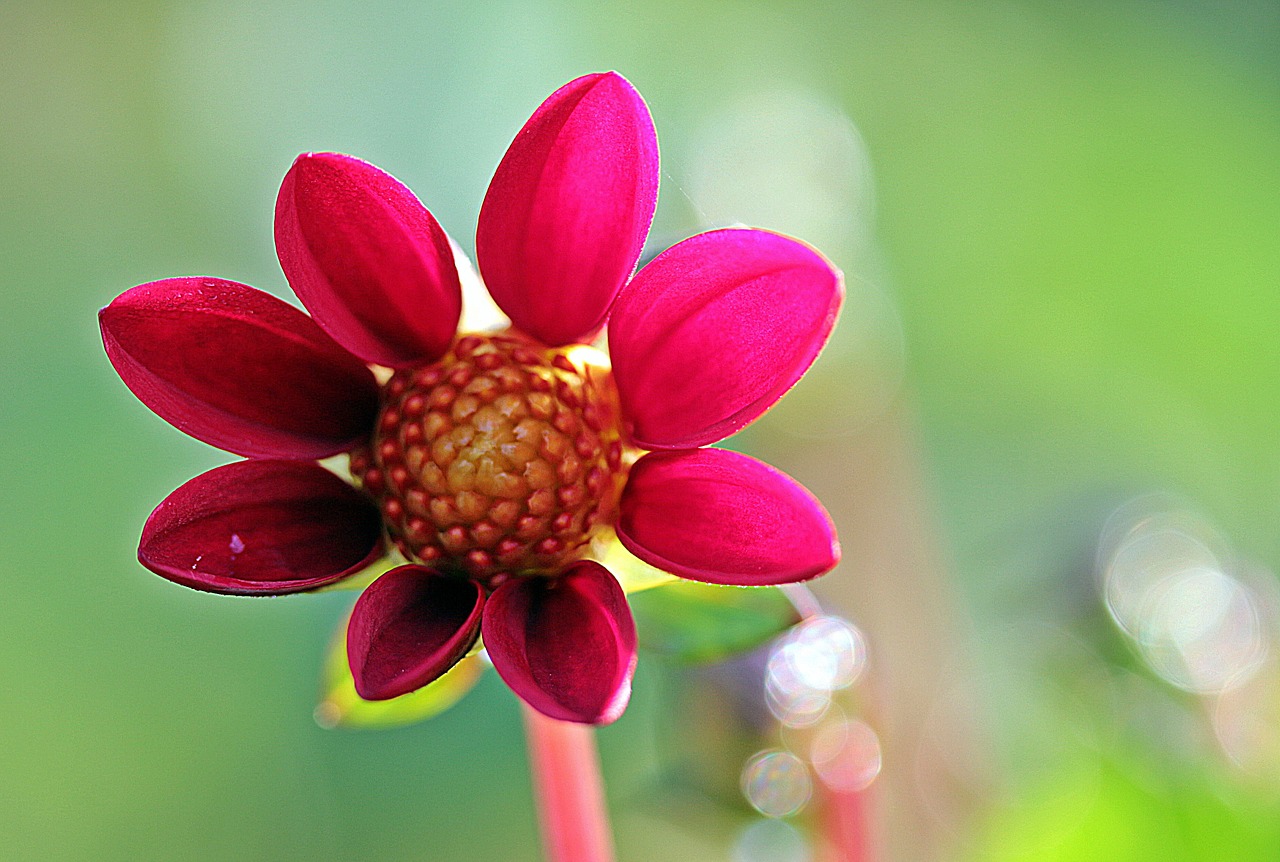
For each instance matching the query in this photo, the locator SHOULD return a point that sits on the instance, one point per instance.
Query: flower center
(504, 457)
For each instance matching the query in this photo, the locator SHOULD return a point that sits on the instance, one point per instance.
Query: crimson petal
(261, 528)
(566, 645)
(567, 212)
(367, 260)
(408, 628)
(238, 368)
(714, 330)
(717, 516)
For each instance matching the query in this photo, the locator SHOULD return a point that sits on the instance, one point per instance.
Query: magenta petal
(569, 207)
(367, 260)
(408, 628)
(717, 516)
(261, 528)
(714, 330)
(238, 368)
(566, 645)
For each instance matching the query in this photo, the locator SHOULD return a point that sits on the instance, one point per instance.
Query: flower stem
(843, 821)
(568, 789)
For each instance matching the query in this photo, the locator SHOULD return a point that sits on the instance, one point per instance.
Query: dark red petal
(566, 645)
(262, 528)
(367, 260)
(717, 516)
(714, 330)
(238, 368)
(409, 627)
(569, 207)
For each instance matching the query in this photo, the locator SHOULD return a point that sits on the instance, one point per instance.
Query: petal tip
(326, 157)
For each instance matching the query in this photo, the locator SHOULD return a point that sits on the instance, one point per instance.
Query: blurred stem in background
(895, 579)
(850, 433)
(844, 816)
(568, 789)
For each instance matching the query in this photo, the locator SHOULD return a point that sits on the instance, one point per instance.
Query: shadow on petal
(566, 645)
(409, 627)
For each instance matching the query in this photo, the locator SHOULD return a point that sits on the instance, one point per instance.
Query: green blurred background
(1061, 229)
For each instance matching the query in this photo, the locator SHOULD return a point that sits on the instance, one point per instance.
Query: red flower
(490, 461)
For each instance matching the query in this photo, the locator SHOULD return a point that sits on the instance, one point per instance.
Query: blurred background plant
(1046, 427)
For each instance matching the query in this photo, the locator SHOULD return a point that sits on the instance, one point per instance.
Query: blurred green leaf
(340, 706)
(1124, 807)
(695, 622)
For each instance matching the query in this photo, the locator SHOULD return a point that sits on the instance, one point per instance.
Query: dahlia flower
(492, 462)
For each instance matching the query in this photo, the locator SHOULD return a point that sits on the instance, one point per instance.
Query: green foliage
(692, 622)
(1127, 809)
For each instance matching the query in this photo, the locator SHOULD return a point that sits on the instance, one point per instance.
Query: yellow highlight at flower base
(633, 573)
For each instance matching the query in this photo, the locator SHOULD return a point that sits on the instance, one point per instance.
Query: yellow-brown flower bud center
(502, 457)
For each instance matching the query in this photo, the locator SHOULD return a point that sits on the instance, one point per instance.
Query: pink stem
(843, 817)
(843, 823)
(568, 789)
